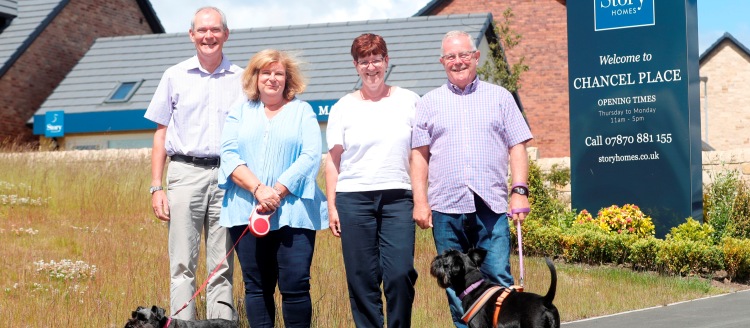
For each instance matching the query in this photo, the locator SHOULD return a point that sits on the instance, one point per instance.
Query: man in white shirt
(189, 107)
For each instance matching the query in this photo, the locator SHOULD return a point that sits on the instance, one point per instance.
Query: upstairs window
(123, 91)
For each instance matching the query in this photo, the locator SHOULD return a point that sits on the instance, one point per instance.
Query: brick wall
(544, 88)
(728, 90)
(53, 54)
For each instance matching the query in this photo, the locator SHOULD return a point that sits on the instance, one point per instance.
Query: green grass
(94, 207)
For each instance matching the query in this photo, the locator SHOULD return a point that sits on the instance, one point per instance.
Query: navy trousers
(282, 256)
(377, 240)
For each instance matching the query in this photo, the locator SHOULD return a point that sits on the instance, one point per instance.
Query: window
(123, 91)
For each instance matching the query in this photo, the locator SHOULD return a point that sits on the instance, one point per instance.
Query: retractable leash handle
(260, 224)
(520, 239)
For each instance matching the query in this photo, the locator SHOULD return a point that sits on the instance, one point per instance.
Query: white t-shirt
(376, 137)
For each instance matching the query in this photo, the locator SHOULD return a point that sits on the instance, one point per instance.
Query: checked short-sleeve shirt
(469, 133)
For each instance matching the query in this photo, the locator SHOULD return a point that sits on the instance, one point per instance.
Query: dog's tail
(235, 316)
(553, 283)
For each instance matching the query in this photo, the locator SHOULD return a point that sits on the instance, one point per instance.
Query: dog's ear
(158, 312)
(477, 256)
(142, 315)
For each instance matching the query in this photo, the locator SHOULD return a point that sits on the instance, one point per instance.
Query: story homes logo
(616, 14)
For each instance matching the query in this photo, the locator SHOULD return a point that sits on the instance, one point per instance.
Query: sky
(715, 17)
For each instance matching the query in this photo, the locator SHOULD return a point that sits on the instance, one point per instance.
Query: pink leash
(520, 239)
(520, 248)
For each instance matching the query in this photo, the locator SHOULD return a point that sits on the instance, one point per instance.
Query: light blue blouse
(287, 149)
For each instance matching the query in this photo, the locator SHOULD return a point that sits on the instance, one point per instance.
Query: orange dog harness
(482, 300)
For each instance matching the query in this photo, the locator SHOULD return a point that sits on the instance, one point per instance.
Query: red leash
(212, 273)
(260, 227)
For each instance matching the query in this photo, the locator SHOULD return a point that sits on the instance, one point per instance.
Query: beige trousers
(194, 205)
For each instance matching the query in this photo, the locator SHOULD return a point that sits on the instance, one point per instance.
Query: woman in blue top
(270, 155)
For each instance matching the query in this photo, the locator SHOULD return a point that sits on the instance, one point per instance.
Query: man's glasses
(463, 55)
(366, 64)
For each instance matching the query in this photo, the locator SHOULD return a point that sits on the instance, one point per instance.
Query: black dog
(155, 318)
(519, 309)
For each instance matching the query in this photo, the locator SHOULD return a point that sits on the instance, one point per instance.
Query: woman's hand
(268, 198)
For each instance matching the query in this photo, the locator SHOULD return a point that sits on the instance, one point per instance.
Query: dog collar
(169, 321)
(471, 288)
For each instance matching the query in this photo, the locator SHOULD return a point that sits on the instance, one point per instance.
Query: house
(103, 99)
(725, 94)
(42, 40)
(543, 95)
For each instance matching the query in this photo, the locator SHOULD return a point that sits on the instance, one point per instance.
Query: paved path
(729, 310)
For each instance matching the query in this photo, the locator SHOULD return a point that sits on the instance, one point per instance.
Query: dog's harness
(482, 300)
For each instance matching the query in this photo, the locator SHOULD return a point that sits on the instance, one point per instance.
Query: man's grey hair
(221, 13)
(457, 34)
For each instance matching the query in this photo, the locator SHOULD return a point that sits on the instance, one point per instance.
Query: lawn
(80, 247)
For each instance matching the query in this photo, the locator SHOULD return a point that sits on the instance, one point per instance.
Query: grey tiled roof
(8, 8)
(726, 36)
(32, 16)
(413, 45)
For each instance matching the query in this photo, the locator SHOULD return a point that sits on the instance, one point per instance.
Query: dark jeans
(377, 240)
(481, 229)
(285, 256)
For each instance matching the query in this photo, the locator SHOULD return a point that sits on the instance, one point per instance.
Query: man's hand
(160, 204)
(519, 207)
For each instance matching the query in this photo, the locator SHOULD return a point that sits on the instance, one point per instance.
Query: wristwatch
(154, 189)
(521, 190)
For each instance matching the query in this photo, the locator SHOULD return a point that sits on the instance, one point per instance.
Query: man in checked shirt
(190, 106)
(466, 135)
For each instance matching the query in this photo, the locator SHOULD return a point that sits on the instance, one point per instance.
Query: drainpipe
(704, 79)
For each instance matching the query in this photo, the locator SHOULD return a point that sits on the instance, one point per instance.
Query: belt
(201, 161)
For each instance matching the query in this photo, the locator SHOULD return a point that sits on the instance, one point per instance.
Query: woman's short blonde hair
(295, 82)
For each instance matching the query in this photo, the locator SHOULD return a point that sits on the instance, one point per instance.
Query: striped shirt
(469, 133)
(193, 104)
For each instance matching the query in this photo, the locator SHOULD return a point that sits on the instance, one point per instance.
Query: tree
(497, 69)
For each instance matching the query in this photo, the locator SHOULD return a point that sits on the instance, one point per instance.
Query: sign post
(634, 107)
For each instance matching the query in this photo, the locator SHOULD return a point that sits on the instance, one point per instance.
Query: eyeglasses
(463, 55)
(366, 64)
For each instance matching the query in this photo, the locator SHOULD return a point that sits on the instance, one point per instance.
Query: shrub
(539, 238)
(585, 243)
(643, 253)
(558, 176)
(741, 211)
(584, 217)
(736, 257)
(684, 257)
(692, 230)
(718, 203)
(621, 220)
(543, 197)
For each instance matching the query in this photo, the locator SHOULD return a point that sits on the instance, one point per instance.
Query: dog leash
(212, 273)
(520, 240)
(252, 226)
(255, 223)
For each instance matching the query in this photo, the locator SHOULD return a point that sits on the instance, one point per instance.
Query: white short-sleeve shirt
(376, 137)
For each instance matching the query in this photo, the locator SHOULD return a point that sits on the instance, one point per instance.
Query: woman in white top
(369, 189)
